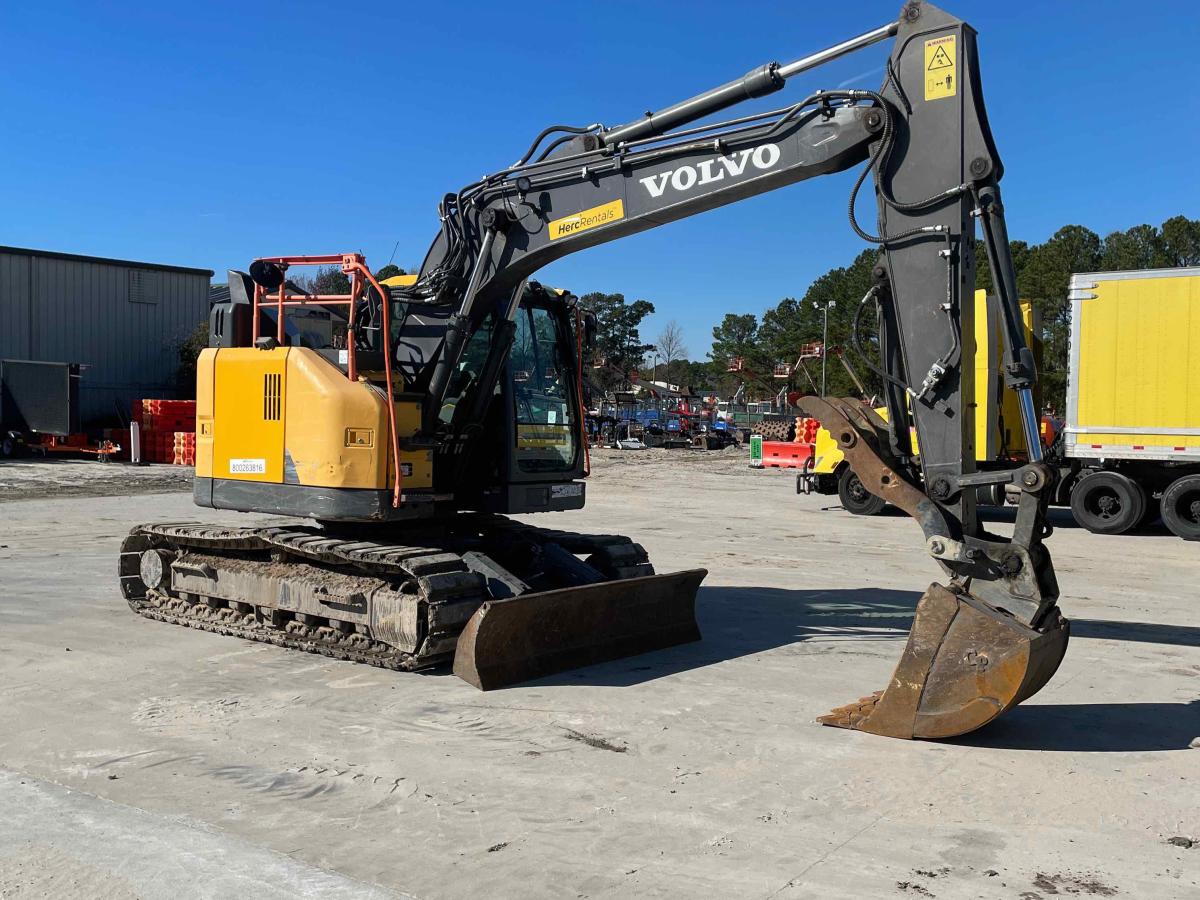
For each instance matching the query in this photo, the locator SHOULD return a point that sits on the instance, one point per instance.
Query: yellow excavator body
(287, 416)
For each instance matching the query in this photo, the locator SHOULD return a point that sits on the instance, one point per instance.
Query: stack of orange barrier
(168, 430)
(185, 448)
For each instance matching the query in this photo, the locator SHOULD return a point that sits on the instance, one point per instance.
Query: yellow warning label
(941, 67)
(589, 218)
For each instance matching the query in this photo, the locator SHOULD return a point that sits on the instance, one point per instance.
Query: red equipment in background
(168, 431)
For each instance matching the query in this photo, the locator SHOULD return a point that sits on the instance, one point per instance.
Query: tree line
(778, 334)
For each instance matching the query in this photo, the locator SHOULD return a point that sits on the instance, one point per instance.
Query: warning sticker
(941, 67)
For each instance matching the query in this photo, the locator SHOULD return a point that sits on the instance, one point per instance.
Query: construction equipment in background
(999, 440)
(456, 400)
(771, 418)
(1132, 433)
(39, 412)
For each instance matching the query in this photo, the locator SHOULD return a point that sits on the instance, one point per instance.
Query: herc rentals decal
(588, 218)
(684, 178)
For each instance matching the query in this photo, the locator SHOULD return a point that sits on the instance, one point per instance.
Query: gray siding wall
(122, 323)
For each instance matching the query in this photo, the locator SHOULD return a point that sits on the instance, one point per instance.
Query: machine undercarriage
(401, 599)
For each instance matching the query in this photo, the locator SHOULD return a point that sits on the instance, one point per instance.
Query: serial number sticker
(247, 467)
(588, 218)
(566, 490)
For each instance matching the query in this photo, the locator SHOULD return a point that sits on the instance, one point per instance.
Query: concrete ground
(143, 760)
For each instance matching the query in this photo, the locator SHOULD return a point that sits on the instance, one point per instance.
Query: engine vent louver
(272, 408)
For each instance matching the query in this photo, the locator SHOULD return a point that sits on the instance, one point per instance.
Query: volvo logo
(762, 157)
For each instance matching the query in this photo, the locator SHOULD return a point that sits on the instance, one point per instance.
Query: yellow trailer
(998, 434)
(1132, 433)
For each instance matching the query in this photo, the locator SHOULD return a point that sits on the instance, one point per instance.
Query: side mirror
(267, 274)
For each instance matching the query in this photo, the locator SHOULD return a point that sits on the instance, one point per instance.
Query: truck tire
(1108, 503)
(855, 497)
(1181, 507)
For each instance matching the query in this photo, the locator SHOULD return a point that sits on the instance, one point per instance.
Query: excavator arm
(993, 635)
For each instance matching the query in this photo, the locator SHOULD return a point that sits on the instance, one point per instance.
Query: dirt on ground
(31, 478)
(27, 479)
(143, 759)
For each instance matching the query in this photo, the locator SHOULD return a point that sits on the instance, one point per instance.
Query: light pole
(824, 305)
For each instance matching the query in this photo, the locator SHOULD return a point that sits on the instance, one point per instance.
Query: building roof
(54, 254)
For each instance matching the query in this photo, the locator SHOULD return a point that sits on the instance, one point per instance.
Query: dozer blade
(963, 666)
(532, 635)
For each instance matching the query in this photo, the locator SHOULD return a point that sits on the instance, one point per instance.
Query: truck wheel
(855, 497)
(1181, 507)
(1108, 503)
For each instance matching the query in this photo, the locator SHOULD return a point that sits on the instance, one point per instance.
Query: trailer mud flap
(519, 638)
(964, 665)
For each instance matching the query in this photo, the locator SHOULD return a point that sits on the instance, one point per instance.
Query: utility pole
(824, 305)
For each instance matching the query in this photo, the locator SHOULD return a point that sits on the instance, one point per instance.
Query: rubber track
(441, 576)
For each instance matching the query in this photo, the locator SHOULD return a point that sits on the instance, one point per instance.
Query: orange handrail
(357, 265)
(354, 265)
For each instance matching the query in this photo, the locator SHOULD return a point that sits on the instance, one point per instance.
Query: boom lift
(455, 400)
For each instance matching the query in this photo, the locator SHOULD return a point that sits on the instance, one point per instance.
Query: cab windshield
(542, 385)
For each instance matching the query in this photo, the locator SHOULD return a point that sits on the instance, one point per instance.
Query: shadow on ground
(1058, 516)
(738, 622)
(1092, 727)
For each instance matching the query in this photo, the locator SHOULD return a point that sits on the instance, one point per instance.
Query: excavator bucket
(966, 662)
(964, 665)
(532, 635)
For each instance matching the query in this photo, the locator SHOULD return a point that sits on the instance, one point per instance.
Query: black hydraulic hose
(855, 326)
(554, 145)
(546, 132)
(878, 163)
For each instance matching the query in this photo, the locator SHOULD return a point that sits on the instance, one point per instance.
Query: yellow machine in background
(998, 434)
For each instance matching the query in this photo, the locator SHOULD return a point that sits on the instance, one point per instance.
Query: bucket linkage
(986, 641)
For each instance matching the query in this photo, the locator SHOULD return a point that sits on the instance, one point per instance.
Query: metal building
(123, 321)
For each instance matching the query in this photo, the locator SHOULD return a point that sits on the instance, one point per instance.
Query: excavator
(397, 428)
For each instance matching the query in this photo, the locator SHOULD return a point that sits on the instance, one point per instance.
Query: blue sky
(206, 134)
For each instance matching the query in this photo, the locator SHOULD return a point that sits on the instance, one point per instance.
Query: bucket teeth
(851, 714)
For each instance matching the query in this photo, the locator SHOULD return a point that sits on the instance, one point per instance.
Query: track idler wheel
(964, 665)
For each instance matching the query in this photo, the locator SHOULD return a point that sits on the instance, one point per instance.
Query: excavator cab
(531, 453)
